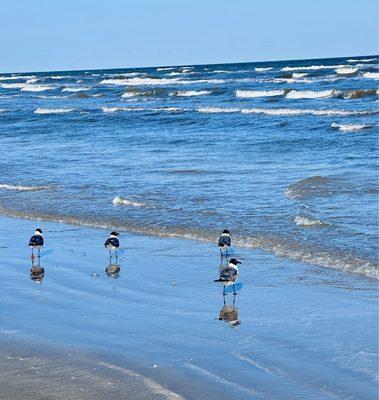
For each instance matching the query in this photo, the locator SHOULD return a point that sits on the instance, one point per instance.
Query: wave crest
(351, 127)
(125, 202)
(23, 188)
(52, 110)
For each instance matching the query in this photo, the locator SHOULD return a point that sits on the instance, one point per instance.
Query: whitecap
(263, 69)
(156, 81)
(52, 110)
(297, 75)
(312, 67)
(12, 85)
(371, 75)
(190, 93)
(350, 127)
(217, 110)
(311, 94)
(125, 202)
(308, 222)
(36, 88)
(346, 71)
(25, 188)
(75, 89)
(8, 78)
(258, 93)
(58, 77)
(361, 60)
(165, 68)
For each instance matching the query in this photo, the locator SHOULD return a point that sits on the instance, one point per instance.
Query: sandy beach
(154, 332)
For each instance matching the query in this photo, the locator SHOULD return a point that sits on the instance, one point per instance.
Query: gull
(112, 244)
(36, 242)
(229, 275)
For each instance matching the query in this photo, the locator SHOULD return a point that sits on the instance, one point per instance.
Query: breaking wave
(36, 88)
(190, 93)
(125, 202)
(75, 89)
(11, 78)
(350, 127)
(244, 94)
(262, 69)
(308, 222)
(371, 75)
(359, 93)
(283, 111)
(311, 94)
(157, 81)
(53, 110)
(346, 71)
(312, 67)
(353, 60)
(26, 188)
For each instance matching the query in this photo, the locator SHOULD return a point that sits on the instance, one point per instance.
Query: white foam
(2, 110)
(12, 85)
(115, 109)
(58, 77)
(8, 78)
(263, 69)
(52, 110)
(361, 60)
(156, 81)
(125, 202)
(350, 127)
(283, 111)
(75, 89)
(217, 110)
(166, 68)
(130, 94)
(306, 222)
(310, 94)
(312, 67)
(190, 93)
(297, 75)
(36, 88)
(371, 75)
(31, 80)
(258, 93)
(24, 188)
(346, 71)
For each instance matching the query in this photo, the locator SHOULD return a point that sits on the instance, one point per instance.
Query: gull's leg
(234, 290)
(32, 256)
(116, 256)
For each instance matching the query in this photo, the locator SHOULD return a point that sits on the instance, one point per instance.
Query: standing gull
(229, 274)
(112, 244)
(36, 242)
(224, 243)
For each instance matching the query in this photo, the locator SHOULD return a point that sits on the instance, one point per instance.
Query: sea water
(283, 154)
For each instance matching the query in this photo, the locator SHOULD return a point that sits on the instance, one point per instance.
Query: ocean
(283, 154)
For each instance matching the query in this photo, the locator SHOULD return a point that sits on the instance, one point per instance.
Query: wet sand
(154, 332)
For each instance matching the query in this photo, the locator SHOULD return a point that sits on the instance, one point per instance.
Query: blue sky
(42, 35)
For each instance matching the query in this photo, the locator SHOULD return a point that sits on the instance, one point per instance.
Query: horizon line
(183, 65)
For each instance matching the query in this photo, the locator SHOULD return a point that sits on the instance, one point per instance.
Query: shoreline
(306, 331)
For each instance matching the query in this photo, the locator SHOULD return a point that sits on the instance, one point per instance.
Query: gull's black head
(226, 231)
(114, 233)
(234, 261)
(39, 230)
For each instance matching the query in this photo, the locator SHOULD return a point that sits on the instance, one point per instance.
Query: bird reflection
(113, 270)
(37, 272)
(229, 313)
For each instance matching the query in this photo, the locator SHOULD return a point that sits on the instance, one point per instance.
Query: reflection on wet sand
(229, 313)
(37, 272)
(113, 270)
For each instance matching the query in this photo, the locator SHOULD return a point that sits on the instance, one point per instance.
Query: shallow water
(304, 332)
(281, 153)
